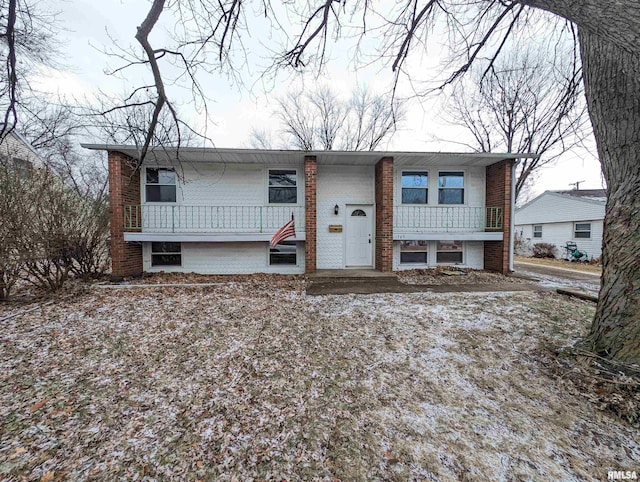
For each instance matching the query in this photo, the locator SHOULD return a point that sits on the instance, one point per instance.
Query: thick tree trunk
(612, 86)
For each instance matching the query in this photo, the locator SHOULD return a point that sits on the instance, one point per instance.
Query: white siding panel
(227, 184)
(474, 184)
(555, 208)
(339, 185)
(559, 233)
(226, 258)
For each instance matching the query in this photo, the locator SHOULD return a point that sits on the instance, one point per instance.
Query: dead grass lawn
(255, 381)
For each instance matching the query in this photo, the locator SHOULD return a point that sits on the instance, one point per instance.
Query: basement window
(160, 185)
(283, 253)
(166, 254)
(414, 252)
(449, 252)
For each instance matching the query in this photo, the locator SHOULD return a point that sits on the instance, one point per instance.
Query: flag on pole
(286, 231)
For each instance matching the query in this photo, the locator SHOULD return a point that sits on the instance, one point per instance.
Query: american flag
(286, 231)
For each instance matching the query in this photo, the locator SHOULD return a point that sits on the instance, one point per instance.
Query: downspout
(512, 219)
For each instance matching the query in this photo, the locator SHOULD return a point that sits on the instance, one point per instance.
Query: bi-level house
(216, 210)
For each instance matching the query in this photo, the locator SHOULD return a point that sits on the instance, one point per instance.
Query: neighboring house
(16, 149)
(556, 217)
(216, 210)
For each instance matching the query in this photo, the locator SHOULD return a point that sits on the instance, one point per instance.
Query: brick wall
(498, 179)
(124, 188)
(384, 214)
(310, 200)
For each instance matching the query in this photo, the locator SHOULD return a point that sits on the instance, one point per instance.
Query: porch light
(336, 209)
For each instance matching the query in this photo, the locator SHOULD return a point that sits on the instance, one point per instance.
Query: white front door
(359, 235)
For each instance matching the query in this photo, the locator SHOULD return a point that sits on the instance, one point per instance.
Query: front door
(359, 236)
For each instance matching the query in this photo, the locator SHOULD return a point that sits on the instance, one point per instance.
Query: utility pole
(576, 184)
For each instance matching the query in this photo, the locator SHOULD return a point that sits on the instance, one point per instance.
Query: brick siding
(124, 188)
(384, 214)
(310, 188)
(498, 183)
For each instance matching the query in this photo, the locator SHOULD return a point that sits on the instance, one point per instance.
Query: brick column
(498, 183)
(384, 214)
(124, 189)
(310, 175)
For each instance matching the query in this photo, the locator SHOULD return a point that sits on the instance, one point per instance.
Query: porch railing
(447, 218)
(204, 219)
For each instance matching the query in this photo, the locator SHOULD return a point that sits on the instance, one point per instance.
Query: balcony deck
(151, 222)
(447, 222)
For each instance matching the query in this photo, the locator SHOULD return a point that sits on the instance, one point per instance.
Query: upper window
(449, 252)
(166, 254)
(415, 187)
(537, 231)
(451, 187)
(582, 230)
(283, 186)
(283, 253)
(161, 185)
(414, 252)
(358, 212)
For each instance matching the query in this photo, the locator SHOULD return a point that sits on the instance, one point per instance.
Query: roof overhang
(268, 156)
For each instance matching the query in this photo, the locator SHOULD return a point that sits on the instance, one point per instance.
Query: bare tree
(527, 101)
(320, 119)
(27, 42)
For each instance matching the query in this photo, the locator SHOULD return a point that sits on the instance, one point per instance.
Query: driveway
(550, 276)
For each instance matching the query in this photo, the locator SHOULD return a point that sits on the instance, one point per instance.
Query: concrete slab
(389, 286)
(349, 274)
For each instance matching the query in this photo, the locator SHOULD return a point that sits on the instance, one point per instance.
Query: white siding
(226, 184)
(474, 184)
(339, 185)
(559, 233)
(472, 257)
(556, 208)
(226, 258)
(13, 146)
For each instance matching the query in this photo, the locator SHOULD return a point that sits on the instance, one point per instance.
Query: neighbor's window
(161, 185)
(415, 187)
(283, 253)
(283, 187)
(450, 187)
(582, 230)
(414, 252)
(449, 252)
(537, 231)
(166, 254)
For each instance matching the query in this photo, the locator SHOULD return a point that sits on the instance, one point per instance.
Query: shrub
(544, 250)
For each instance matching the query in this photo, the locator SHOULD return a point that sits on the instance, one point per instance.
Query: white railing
(209, 219)
(447, 218)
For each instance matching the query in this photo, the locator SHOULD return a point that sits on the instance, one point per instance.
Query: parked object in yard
(573, 253)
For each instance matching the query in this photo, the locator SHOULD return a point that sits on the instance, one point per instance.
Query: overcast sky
(235, 111)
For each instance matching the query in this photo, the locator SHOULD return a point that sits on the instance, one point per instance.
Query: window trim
(463, 188)
(160, 266)
(145, 184)
(297, 263)
(539, 233)
(576, 231)
(426, 250)
(298, 184)
(426, 171)
(461, 251)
